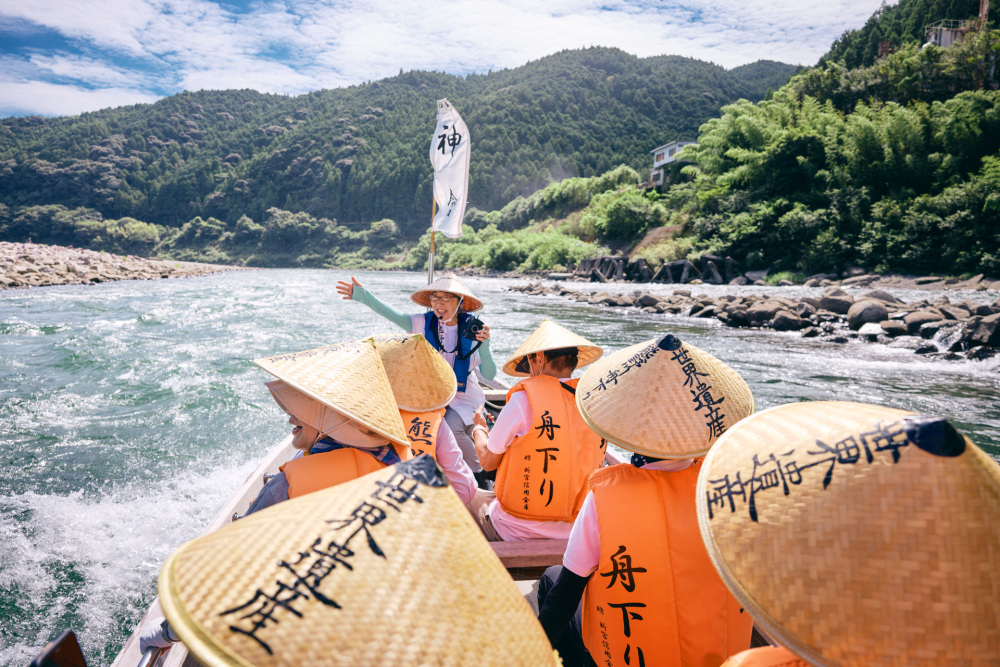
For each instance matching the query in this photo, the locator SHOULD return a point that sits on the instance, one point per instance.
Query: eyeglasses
(443, 296)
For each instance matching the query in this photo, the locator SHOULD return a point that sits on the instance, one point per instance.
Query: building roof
(669, 144)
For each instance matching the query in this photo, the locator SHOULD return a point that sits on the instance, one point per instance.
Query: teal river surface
(130, 411)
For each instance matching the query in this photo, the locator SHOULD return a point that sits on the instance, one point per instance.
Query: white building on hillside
(663, 156)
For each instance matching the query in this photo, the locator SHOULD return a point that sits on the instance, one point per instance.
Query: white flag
(450, 153)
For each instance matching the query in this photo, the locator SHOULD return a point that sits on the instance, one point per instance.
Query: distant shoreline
(39, 265)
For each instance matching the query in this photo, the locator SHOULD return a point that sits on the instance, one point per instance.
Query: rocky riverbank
(37, 265)
(938, 328)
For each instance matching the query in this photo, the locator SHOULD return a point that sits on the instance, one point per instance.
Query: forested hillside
(895, 166)
(898, 24)
(358, 155)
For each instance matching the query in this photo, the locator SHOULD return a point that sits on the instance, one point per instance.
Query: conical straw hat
(662, 398)
(551, 336)
(323, 418)
(858, 534)
(388, 569)
(347, 377)
(447, 284)
(420, 378)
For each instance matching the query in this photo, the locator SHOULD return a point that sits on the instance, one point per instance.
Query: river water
(130, 411)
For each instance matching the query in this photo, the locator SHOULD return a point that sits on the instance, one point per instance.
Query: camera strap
(439, 337)
(475, 347)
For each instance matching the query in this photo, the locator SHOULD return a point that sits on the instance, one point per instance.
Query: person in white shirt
(652, 595)
(444, 326)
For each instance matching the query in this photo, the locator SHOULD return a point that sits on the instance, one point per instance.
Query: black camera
(472, 328)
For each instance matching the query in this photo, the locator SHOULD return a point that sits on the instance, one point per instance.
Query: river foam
(130, 411)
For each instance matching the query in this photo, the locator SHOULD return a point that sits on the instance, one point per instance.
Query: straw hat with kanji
(387, 569)
(857, 534)
(447, 284)
(420, 378)
(348, 378)
(551, 336)
(663, 398)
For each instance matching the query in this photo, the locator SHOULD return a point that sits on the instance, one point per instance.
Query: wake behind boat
(524, 560)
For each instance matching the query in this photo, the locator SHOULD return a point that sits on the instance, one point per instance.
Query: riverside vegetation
(889, 164)
(273, 180)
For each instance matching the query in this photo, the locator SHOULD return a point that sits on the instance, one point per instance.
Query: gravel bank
(37, 265)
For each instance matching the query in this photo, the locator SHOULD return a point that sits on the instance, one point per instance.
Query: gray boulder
(866, 312)
(786, 321)
(915, 320)
(894, 328)
(763, 311)
(988, 332)
(881, 295)
(836, 303)
(647, 300)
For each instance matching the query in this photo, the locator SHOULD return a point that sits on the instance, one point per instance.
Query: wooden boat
(524, 560)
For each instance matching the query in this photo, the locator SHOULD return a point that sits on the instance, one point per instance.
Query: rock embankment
(938, 328)
(36, 265)
(716, 270)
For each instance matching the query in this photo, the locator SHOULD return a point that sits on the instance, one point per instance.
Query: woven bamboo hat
(323, 418)
(347, 377)
(662, 398)
(420, 378)
(387, 569)
(447, 284)
(858, 534)
(551, 336)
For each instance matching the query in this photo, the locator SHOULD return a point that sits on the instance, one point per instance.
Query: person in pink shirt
(541, 448)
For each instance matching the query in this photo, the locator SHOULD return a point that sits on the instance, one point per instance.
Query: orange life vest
(655, 598)
(320, 471)
(766, 656)
(421, 430)
(543, 476)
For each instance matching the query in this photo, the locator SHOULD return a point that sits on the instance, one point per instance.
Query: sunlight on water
(130, 411)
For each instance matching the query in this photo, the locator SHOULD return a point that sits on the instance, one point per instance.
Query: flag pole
(430, 256)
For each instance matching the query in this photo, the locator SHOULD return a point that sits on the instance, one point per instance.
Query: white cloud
(47, 99)
(95, 72)
(293, 46)
(106, 23)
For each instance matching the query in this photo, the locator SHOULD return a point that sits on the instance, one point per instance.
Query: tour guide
(881, 548)
(655, 598)
(444, 326)
(544, 451)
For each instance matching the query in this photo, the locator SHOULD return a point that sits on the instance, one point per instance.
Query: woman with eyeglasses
(462, 340)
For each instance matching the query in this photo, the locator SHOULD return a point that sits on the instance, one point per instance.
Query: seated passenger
(342, 406)
(450, 306)
(344, 417)
(423, 385)
(541, 448)
(649, 593)
(877, 544)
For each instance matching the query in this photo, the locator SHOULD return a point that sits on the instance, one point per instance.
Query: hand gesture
(479, 420)
(484, 334)
(347, 289)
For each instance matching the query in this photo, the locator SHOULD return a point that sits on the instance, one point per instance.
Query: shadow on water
(130, 411)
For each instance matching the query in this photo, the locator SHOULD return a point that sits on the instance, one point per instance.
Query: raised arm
(355, 292)
(487, 367)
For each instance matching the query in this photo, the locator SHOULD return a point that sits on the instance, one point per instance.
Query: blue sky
(64, 57)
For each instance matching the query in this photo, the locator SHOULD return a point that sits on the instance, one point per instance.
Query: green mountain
(893, 166)
(359, 154)
(898, 24)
